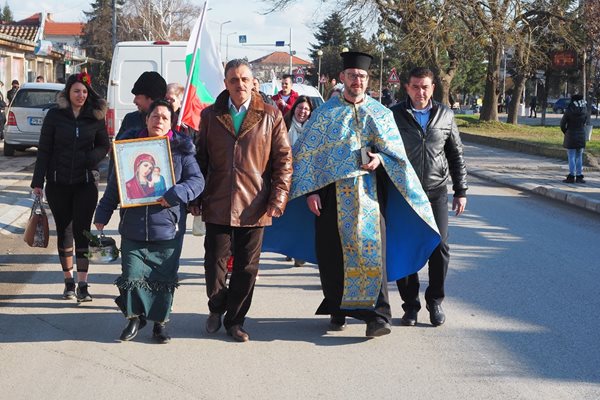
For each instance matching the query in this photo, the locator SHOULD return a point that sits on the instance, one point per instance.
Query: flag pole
(192, 65)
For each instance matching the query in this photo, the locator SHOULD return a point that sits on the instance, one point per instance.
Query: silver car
(26, 114)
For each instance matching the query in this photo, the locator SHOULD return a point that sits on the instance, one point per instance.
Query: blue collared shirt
(422, 116)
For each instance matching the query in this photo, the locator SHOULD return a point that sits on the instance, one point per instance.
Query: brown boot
(570, 179)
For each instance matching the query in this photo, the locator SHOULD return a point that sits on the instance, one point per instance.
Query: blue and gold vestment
(327, 153)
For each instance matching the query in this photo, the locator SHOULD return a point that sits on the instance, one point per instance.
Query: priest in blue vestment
(371, 220)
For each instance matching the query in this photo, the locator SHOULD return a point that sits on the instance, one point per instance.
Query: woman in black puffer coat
(73, 141)
(572, 125)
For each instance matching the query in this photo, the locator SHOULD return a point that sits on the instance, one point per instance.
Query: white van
(130, 60)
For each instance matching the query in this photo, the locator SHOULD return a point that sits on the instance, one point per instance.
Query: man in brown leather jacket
(244, 153)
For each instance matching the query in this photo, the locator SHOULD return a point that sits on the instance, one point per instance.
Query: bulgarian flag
(274, 85)
(205, 74)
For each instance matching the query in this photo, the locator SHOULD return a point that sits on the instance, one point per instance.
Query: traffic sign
(393, 78)
(280, 43)
(242, 39)
(299, 71)
(299, 78)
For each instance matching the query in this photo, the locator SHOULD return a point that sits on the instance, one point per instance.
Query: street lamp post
(221, 34)
(382, 39)
(227, 46)
(320, 54)
(504, 77)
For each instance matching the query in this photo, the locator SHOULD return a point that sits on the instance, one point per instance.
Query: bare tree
(428, 35)
(158, 19)
(540, 28)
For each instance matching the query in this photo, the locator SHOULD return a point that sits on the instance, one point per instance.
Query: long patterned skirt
(148, 278)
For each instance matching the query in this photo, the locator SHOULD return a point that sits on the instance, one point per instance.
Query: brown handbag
(37, 233)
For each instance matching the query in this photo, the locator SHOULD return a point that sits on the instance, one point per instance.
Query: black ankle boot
(570, 179)
(83, 294)
(579, 179)
(69, 292)
(160, 334)
(132, 329)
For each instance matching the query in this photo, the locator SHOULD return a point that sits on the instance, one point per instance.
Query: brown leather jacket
(245, 173)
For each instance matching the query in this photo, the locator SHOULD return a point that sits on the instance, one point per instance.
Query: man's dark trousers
(234, 300)
(438, 261)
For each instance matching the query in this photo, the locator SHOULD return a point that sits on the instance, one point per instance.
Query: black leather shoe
(337, 323)
(160, 334)
(409, 318)
(378, 327)
(436, 314)
(132, 329)
(238, 333)
(213, 322)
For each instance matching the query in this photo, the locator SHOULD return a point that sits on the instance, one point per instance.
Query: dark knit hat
(356, 59)
(151, 84)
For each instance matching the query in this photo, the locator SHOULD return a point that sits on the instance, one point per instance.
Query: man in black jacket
(434, 148)
(149, 87)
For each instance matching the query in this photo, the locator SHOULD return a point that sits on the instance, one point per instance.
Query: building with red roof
(278, 62)
(39, 46)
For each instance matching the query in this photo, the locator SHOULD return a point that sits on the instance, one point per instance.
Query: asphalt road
(522, 301)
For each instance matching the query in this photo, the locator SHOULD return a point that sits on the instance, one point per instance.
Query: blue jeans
(575, 161)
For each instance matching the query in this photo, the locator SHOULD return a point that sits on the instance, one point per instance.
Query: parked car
(26, 114)
(561, 105)
(303, 90)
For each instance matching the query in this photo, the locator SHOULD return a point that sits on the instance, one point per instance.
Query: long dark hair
(287, 118)
(93, 98)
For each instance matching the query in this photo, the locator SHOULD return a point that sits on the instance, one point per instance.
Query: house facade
(39, 46)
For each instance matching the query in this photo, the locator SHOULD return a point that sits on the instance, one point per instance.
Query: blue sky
(246, 19)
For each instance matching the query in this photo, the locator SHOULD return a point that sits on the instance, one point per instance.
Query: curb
(527, 148)
(549, 192)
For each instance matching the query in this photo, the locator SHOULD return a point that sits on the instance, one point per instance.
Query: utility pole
(291, 53)
(114, 24)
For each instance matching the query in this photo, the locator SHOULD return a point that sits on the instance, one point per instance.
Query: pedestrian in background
(266, 98)
(295, 121)
(73, 141)
(174, 96)
(40, 79)
(152, 235)
(533, 107)
(13, 90)
(297, 117)
(286, 97)
(244, 152)
(434, 148)
(572, 126)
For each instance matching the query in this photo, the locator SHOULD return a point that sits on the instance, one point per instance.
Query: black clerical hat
(356, 59)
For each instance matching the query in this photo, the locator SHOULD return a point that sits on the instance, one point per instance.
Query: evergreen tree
(97, 41)
(7, 15)
(332, 37)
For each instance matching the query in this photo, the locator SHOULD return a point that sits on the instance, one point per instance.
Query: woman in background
(294, 121)
(73, 141)
(572, 125)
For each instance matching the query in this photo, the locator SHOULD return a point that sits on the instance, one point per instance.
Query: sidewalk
(537, 174)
